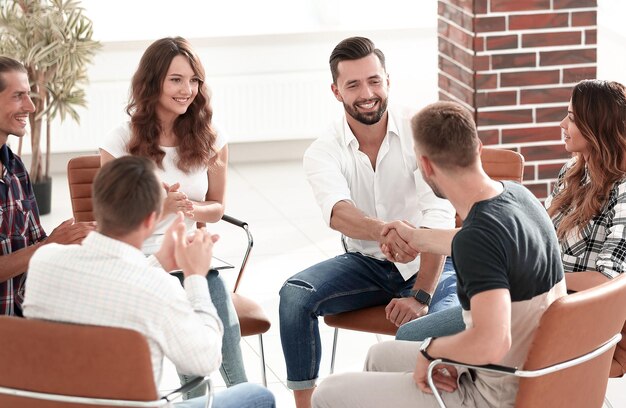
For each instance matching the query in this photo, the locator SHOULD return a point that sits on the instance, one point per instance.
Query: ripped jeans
(347, 282)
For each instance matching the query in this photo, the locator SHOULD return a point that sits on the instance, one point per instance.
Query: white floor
(289, 235)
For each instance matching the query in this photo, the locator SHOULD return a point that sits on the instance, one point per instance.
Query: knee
(403, 333)
(328, 392)
(258, 395)
(376, 356)
(296, 294)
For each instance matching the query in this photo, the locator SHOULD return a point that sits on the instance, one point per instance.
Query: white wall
(276, 85)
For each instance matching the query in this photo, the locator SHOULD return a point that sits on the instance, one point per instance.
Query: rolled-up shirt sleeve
(436, 212)
(322, 166)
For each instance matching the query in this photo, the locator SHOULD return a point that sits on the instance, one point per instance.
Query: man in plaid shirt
(20, 230)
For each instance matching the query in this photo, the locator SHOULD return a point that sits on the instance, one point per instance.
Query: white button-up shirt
(106, 282)
(337, 170)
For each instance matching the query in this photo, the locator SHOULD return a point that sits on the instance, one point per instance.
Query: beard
(368, 118)
(434, 187)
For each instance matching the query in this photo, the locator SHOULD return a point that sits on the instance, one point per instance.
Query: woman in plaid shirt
(588, 204)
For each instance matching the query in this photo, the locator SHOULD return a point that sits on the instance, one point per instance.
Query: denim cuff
(301, 385)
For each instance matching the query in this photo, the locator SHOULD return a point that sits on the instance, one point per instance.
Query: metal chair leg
(263, 370)
(332, 359)
(209, 394)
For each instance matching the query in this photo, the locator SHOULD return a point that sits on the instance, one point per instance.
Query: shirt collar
(6, 157)
(114, 248)
(348, 136)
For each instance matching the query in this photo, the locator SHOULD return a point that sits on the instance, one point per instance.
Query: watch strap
(421, 296)
(424, 348)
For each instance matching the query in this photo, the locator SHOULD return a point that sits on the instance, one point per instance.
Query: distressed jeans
(347, 282)
(232, 368)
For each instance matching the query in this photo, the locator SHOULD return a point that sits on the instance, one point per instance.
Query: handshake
(395, 241)
(401, 242)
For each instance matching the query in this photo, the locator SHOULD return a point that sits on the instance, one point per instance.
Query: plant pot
(43, 195)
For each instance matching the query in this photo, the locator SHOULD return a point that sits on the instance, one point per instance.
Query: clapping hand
(176, 201)
(70, 232)
(193, 253)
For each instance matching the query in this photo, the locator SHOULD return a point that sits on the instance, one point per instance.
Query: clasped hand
(176, 200)
(444, 376)
(394, 242)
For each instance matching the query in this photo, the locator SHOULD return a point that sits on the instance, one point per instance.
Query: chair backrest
(78, 360)
(80, 174)
(502, 164)
(572, 326)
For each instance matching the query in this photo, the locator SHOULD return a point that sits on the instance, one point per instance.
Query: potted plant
(52, 38)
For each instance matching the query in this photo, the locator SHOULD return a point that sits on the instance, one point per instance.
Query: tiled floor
(289, 235)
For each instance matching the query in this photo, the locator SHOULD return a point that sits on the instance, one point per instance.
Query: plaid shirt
(601, 244)
(20, 227)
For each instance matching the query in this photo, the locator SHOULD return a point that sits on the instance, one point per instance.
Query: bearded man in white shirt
(364, 174)
(107, 281)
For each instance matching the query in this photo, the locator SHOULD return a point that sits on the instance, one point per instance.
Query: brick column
(513, 63)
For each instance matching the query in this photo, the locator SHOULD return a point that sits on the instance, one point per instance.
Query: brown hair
(125, 192)
(353, 48)
(9, 65)
(599, 109)
(193, 129)
(446, 134)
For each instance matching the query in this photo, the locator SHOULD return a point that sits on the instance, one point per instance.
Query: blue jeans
(347, 282)
(232, 368)
(443, 323)
(245, 395)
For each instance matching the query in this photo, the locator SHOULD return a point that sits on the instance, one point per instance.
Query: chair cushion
(252, 318)
(371, 319)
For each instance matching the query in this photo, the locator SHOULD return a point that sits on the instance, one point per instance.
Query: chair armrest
(244, 225)
(234, 221)
(520, 373)
(196, 382)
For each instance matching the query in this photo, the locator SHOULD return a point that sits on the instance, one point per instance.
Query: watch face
(422, 297)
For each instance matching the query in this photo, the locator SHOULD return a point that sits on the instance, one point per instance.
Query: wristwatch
(424, 346)
(421, 296)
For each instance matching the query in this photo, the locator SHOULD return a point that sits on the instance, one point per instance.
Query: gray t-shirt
(508, 242)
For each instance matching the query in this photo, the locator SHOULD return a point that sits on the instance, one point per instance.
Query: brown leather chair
(499, 164)
(252, 319)
(618, 365)
(570, 357)
(53, 365)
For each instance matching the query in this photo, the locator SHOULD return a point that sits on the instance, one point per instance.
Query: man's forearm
(431, 266)
(433, 241)
(351, 222)
(16, 263)
(577, 281)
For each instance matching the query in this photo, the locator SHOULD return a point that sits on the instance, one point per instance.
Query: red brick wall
(513, 63)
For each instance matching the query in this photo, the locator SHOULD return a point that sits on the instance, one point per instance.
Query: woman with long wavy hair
(170, 123)
(588, 204)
